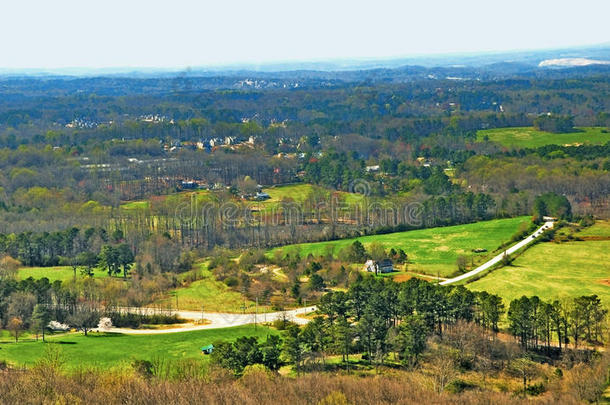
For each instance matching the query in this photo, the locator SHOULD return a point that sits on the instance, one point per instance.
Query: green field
(432, 251)
(599, 229)
(528, 137)
(113, 350)
(208, 293)
(133, 205)
(296, 192)
(300, 192)
(552, 270)
(62, 273)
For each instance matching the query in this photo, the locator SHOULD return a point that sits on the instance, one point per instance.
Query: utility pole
(265, 317)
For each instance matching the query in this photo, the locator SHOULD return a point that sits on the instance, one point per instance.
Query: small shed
(385, 266)
(207, 349)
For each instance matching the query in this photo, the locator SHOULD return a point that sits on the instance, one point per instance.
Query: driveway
(498, 258)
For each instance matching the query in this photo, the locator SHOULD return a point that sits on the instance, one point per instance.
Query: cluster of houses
(209, 144)
(259, 195)
(83, 123)
(154, 118)
(195, 185)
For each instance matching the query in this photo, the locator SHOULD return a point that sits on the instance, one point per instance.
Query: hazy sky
(180, 33)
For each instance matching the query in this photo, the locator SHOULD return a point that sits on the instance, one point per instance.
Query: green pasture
(529, 137)
(553, 270)
(600, 228)
(107, 350)
(62, 273)
(431, 251)
(208, 294)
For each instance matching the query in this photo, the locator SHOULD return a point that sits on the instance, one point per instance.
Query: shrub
(231, 281)
(143, 368)
(282, 324)
(457, 386)
(131, 320)
(535, 389)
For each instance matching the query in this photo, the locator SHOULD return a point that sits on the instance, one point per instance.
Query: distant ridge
(600, 54)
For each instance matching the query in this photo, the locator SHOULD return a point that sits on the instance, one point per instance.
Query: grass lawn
(109, 350)
(209, 293)
(552, 270)
(62, 273)
(528, 137)
(132, 205)
(296, 192)
(187, 195)
(431, 251)
(299, 192)
(599, 228)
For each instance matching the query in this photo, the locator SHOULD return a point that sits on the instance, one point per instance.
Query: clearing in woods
(529, 137)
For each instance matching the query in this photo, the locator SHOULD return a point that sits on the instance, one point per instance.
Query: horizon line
(291, 64)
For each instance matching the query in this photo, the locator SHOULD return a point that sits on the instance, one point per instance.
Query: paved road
(498, 258)
(216, 320)
(226, 320)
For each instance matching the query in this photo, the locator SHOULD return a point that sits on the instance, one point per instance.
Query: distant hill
(349, 69)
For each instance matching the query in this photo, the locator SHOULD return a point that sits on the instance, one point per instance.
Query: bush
(143, 368)
(586, 221)
(231, 281)
(535, 389)
(131, 320)
(282, 324)
(458, 386)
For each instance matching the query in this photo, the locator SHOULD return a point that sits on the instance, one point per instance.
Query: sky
(187, 33)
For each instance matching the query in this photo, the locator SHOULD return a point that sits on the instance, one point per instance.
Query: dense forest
(74, 148)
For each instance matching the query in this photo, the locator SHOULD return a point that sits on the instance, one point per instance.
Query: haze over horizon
(154, 34)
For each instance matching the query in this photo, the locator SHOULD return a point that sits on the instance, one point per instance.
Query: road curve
(498, 258)
(216, 320)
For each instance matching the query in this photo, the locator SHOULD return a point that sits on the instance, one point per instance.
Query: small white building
(379, 267)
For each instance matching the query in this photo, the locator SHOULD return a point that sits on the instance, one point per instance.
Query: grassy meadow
(62, 273)
(107, 350)
(207, 293)
(135, 205)
(298, 193)
(553, 270)
(528, 137)
(599, 229)
(430, 251)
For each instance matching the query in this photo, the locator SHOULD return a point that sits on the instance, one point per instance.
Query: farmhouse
(377, 267)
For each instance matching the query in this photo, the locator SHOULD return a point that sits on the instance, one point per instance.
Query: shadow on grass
(103, 335)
